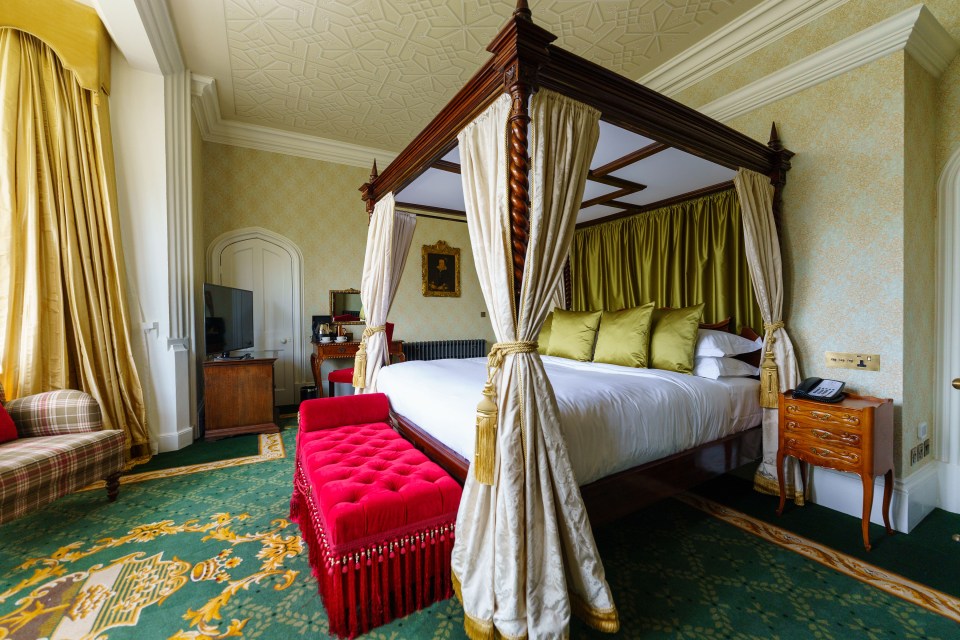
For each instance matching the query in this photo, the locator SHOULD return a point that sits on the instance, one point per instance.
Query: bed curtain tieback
(769, 377)
(485, 451)
(360, 361)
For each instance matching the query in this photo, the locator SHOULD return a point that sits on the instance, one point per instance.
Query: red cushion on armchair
(8, 430)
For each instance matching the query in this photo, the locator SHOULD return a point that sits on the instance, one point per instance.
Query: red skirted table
(377, 515)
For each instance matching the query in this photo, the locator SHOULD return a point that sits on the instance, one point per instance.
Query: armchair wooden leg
(113, 487)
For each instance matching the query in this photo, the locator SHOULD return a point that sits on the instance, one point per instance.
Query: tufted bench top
(369, 484)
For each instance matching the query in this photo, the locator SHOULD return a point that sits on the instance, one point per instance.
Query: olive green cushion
(624, 336)
(544, 338)
(572, 334)
(673, 338)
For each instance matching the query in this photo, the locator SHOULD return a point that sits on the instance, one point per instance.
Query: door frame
(948, 333)
(296, 259)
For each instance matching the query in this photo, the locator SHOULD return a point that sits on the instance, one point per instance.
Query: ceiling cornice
(213, 128)
(764, 24)
(915, 30)
(143, 31)
(162, 34)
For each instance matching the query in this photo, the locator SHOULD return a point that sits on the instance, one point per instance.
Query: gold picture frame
(440, 277)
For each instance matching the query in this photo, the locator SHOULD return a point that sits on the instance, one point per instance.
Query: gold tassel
(360, 366)
(769, 378)
(360, 360)
(485, 451)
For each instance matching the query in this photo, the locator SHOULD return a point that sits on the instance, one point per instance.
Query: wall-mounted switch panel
(862, 361)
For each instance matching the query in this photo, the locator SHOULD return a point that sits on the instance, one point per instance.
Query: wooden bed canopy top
(524, 60)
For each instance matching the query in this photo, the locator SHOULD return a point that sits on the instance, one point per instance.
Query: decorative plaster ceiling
(374, 72)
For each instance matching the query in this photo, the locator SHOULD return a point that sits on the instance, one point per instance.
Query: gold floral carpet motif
(84, 604)
(212, 555)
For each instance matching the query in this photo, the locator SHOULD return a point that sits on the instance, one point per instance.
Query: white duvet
(612, 417)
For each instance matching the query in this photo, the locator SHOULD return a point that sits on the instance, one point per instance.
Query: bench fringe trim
(378, 583)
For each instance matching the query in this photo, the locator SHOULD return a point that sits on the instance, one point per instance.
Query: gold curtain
(677, 256)
(63, 312)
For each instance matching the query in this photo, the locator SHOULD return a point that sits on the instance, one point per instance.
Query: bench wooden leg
(113, 487)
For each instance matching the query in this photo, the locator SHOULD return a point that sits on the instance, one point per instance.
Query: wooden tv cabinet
(238, 397)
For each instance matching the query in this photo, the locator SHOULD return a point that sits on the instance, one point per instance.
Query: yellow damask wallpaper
(860, 212)
(317, 206)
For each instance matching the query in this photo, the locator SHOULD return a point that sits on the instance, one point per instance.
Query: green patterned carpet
(211, 555)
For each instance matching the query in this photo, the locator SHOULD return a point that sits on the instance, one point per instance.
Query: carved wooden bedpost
(366, 191)
(778, 175)
(519, 50)
(519, 181)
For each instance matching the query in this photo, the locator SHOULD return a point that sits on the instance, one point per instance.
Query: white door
(267, 269)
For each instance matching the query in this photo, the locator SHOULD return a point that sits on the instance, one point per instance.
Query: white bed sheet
(612, 417)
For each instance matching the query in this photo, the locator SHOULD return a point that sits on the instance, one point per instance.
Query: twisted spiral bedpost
(519, 183)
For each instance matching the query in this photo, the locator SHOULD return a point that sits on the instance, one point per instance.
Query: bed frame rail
(611, 498)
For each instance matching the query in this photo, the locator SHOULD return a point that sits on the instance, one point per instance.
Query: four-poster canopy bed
(567, 92)
(523, 60)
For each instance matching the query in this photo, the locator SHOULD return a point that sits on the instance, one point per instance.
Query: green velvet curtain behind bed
(677, 256)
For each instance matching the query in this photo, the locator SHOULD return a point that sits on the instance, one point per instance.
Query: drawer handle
(827, 454)
(854, 420)
(849, 438)
(818, 415)
(792, 408)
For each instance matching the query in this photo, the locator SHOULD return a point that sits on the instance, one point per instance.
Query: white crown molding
(916, 30)
(213, 128)
(162, 34)
(767, 22)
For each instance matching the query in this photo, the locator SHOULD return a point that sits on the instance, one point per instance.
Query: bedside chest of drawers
(854, 435)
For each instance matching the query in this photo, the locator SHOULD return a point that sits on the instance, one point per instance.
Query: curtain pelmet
(677, 256)
(64, 320)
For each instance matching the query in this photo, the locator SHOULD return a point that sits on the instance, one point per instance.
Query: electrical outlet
(922, 431)
(862, 361)
(919, 452)
(483, 314)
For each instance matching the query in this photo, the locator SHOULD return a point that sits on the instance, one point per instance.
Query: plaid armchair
(61, 446)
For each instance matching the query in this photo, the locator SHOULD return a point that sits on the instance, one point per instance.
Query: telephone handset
(820, 390)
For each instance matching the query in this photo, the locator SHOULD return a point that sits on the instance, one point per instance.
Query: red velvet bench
(378, 517)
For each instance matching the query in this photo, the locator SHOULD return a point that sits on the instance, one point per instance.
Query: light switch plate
(862, 361)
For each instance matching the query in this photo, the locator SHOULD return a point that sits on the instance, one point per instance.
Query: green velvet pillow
(673, 337)
(624, 337)
(572, 334)
(544, 338)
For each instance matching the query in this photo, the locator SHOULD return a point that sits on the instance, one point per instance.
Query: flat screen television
(227, 319)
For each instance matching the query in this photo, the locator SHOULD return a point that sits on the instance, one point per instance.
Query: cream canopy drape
(63, 309)
(766, 271)
(524, 555)
(388, 244)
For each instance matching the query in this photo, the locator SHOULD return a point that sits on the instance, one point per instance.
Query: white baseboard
(949, 475)
(913, 498)
(175, 441)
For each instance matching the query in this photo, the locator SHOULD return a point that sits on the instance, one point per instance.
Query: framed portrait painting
(441, 270)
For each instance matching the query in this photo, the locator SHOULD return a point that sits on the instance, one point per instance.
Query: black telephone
(820, 390)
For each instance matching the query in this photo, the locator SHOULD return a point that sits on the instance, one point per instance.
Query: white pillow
(721, 343)
(713, 367)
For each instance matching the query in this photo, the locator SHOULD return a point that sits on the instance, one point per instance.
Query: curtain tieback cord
(360, 361)
(485, 451)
